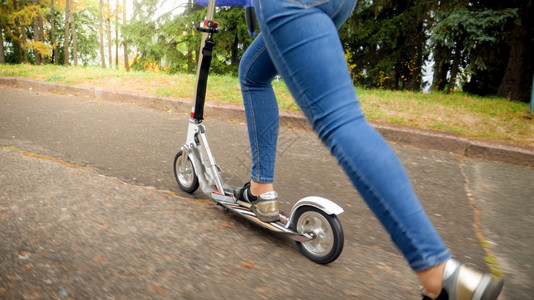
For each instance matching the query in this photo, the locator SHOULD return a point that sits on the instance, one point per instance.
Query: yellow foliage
(76, 5)
(152, 66)
(382, 78)
(351, 65)
(25, 16)
(42, 48)
(149, 66)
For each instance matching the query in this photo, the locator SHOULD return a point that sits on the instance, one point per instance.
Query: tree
(386, 41)
(144, 34)
(126, 65)
(480, 46)
(4, 9)
(86, 24)
(109, 15)
(101, 35)
(117, 34)
(190, 40)
(53, 33)
(74, 36)
(470, 35)
(171, 40)
(441, 67)
(28, 38)
(16, 34)
(517, 79)
(411, 42)
(38, 35)
(19, 22)
(232, 40)
(68, 7)
(2, 55)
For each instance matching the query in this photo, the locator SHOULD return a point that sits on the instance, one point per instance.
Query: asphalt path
(136, 145)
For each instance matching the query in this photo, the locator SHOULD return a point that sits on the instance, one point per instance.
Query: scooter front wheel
(184, 172)
(326, 231)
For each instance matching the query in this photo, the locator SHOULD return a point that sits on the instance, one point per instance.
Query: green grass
(476, 117)
(491, 261)
(487, 118)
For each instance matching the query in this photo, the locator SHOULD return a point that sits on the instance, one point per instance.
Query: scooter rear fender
(328, 206)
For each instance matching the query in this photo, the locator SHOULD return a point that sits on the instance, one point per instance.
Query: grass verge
(494, 119)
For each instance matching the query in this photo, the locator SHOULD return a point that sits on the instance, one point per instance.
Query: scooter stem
(208, 27)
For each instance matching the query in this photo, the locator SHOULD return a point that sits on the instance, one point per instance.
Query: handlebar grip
(250, 18)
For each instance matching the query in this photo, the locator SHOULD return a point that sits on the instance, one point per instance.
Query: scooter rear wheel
(184, 172)
(327, 242)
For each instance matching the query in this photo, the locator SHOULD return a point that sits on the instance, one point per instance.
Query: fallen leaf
(228, 224)
(23, 254)
(159, 289)
(101, 259)
(385, 268)
(103, 224)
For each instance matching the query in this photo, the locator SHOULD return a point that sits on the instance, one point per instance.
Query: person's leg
(302, 41)
(305, 48)
(256, 72)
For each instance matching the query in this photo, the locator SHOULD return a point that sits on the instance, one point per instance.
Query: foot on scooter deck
(243, 209)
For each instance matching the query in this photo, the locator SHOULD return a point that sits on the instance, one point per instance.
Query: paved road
(150, 243)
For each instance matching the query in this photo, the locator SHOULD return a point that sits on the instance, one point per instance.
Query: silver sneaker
(463, 283)
(265, 206)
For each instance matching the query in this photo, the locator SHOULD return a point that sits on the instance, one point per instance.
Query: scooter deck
(243, 209)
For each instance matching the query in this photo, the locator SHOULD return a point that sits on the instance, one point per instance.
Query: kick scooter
(312, 222)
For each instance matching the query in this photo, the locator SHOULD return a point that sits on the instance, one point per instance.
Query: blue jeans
(299, 41)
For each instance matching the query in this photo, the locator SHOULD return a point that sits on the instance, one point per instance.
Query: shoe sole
(493, 290)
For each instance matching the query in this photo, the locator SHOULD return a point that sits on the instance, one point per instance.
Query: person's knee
(241, 73)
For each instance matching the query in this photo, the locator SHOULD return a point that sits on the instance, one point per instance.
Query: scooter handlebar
(250, 15)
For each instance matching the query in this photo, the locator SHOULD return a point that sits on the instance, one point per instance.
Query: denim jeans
(299, 41)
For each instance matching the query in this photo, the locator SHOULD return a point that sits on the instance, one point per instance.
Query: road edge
(411, 136)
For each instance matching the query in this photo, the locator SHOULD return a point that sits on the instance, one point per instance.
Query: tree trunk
(41, 35)
(55, 53)
(415, 65)
(74, 39)
(126, 65)
(455, 68)
(234, 60)
(101, 34)
(108, 26)
(117, 34)
(2, 55)
(67, 34)
(36, 34)
(440, 69)
(21, 54)
(516, 83)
